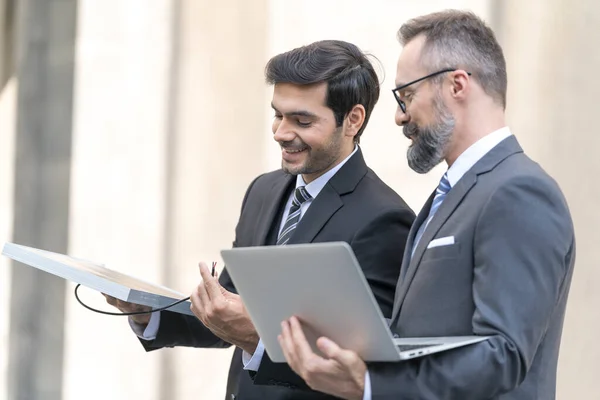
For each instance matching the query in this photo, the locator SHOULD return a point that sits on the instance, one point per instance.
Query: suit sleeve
(379, 248)
(186, 330)
(524, 245)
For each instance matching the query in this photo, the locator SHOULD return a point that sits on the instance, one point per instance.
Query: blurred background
(130, 129)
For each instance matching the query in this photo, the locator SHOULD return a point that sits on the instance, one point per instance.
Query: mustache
(294, 145)
(410, 129)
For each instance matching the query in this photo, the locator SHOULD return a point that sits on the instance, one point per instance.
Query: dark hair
(460, 39)
(349, 75)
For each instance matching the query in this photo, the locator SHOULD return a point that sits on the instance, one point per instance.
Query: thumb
(328, 347)
(334, 352)
(216, 276)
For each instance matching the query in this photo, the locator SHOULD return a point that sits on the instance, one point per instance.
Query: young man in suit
(490, 254)
(322, 100)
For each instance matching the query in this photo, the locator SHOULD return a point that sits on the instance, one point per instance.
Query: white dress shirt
(313, 188)
(460, 167)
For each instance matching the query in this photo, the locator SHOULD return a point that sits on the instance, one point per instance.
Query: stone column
(553, 64)
(45, 53)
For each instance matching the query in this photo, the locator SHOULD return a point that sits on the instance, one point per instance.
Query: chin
(291, 169)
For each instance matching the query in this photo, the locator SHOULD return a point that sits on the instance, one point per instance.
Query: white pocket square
(444, 241)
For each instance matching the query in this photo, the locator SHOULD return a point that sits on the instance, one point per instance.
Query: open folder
(98, 277)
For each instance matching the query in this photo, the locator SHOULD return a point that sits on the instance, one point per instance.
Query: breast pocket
(441, 252)
(440, 293)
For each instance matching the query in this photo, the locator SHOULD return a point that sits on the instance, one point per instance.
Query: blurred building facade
(130, 129)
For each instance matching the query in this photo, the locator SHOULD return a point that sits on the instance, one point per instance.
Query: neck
(473, 127)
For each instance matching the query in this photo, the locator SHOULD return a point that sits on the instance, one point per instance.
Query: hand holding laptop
(344, 367)
(127, 307)
(339, 305)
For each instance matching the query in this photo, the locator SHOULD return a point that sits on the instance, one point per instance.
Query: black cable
(129, 313)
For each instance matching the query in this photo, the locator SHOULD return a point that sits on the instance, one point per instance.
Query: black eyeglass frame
(395, 91)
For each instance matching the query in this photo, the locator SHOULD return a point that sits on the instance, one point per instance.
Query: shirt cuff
(252, 361)
(367, 394)
(148, 332)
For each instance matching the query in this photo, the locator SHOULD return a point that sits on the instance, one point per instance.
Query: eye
(277, 116)
(304, 124)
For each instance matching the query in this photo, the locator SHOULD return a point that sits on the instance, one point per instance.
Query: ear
(354, 120)
(460, 84)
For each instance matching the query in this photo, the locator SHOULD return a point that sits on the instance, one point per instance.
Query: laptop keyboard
(406, 347)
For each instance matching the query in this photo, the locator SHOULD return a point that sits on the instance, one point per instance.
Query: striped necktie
(300, 196)
(440, 194)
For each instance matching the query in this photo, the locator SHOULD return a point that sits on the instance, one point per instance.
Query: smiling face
(305, 128)
(428, 122)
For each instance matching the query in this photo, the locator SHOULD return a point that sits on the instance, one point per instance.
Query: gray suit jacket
(506, 276)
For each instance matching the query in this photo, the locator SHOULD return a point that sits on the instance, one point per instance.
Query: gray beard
(430, 142)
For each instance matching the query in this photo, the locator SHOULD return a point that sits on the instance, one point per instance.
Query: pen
(213, 269)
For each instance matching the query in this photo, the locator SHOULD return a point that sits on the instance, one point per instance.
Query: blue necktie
(440, 194)
(300, 196)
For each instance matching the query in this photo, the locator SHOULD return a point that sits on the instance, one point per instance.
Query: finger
(301, 346)
(124, 306)
(287, 346)
(111, 300)
(131, 307)
(211, 283)
(221, 288)
(334, 352)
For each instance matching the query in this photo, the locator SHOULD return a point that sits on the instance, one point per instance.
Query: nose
(282, 131)
(401, 118)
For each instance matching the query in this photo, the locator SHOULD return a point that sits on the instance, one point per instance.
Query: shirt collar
(315, 187)
(475, 153)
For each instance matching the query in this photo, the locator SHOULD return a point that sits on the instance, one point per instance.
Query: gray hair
(460, 39)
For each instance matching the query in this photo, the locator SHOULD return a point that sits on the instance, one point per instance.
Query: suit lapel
(329, 199)
(504, 149)
(322, 208)
(408, 249)
(412, 234)
(452, 200)
(274, 200)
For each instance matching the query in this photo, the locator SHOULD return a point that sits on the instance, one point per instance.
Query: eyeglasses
(396, 91)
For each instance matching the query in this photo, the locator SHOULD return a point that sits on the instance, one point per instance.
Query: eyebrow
(297, 113)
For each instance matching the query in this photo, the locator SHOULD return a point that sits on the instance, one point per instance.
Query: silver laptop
(323, 285)
(98, 277)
